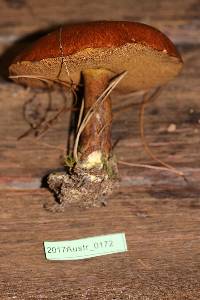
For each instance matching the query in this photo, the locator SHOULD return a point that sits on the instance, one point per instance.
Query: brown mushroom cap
(148, 55)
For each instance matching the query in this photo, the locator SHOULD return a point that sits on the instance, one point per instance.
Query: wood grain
(179, 19)
(158, 211)
(162, 261)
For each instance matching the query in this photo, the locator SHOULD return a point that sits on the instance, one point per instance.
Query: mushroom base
(82, 187)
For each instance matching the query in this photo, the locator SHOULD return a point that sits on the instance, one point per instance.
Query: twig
(147, 99)
(166, 167)
(72, 86)
(53, 119)
(150, 167)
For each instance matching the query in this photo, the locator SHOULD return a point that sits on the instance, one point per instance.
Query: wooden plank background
(158, 211)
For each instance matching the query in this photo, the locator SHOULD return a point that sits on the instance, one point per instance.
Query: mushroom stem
(95, 142)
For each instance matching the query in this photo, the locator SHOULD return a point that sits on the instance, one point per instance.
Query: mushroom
(97, 52)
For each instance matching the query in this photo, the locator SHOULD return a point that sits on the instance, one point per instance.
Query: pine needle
(93, 108)
(166, 167)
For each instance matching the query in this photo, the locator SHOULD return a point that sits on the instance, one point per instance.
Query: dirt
(81, 187)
